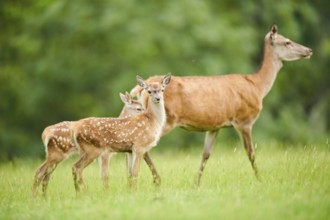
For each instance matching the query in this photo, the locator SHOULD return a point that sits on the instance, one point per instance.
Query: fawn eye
(149, 91)
(139, 109)
(287, 43)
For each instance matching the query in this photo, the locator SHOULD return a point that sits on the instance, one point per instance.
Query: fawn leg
(129, 163)
(79, 166)
(152, 168)
(136, 162)
(104, 166)
(46, 178)
(39, 175)
(45, 170)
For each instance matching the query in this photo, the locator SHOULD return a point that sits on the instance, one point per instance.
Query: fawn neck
(125, 113)
(156, 112)
(266, 75)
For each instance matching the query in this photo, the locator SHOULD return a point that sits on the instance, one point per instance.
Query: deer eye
(139, 109)
(287, 43)
(149, 91)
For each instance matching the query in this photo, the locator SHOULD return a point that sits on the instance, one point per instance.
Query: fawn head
(132, 106)
(154, 89)
(286, 49)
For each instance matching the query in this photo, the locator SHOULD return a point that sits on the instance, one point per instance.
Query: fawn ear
(128, 98)
(123, 98)
(166, 80)
(141, 82)
(273, 31)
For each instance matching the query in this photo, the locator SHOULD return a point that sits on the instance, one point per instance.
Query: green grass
(295, 185)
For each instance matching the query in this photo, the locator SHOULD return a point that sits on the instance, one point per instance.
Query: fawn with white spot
(132, 107)
(59, 145)
(136, 134)
(208, 103)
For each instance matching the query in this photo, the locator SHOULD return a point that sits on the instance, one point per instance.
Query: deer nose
(157, 99)
(308, 53)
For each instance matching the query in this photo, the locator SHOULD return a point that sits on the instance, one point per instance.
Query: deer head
(130, 103)
(286, 49)
(155, 90)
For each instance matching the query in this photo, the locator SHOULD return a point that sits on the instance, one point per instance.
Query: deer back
(118, 134)
(207, 102)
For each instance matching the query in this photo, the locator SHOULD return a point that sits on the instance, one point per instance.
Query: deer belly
(121, 147)
(206, 127)
(205, 123)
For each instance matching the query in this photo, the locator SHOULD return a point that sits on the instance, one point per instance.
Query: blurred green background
(65, 60)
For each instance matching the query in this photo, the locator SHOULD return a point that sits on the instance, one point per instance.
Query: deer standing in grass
(208, 103)
(136, 134)
(58, 143)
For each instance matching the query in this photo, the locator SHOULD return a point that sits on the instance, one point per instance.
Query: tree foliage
(64, 60)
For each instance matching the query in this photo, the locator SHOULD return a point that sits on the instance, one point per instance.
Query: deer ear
(166, 80)
(123, 98)
(128, 98)
(141, 82)
(273, 31)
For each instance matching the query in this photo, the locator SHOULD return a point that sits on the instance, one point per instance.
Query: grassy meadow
(295, 184)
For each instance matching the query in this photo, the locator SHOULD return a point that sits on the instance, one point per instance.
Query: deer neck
(157, 114)
(123, 113)
(266, 75)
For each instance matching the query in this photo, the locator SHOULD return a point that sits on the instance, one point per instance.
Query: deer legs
(43, 173)
(133, 165)
(104, 165)
(210, 138)
(147, 159)
(132, 162)
(247, 141)
(152, 168)
(78, 168)
(135, 168)
(209, 142)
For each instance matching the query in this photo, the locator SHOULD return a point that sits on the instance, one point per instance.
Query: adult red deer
(208, 103)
